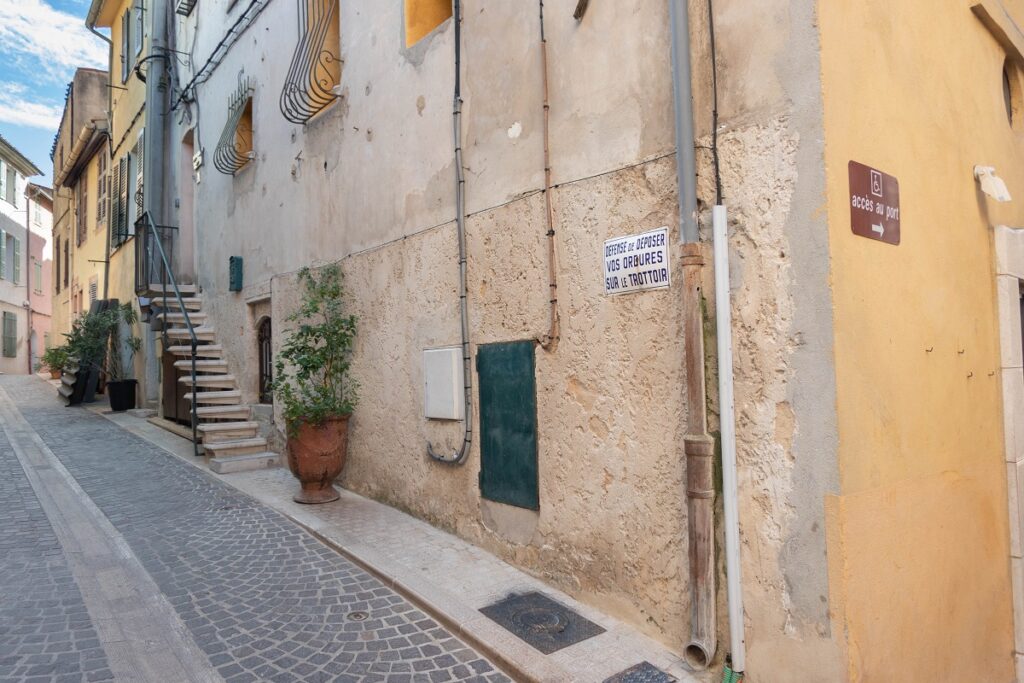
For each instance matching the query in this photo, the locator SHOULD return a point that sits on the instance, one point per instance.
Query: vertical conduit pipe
(549, 341)
(727, 402)
(697, 444)
(459, 456)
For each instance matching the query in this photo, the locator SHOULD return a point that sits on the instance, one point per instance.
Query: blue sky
(42, 42)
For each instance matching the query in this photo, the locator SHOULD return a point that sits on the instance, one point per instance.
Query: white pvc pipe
(727, 401)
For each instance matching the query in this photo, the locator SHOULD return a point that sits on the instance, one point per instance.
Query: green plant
(121, 352)
(95, 340)
(311, 371)
(54, 358)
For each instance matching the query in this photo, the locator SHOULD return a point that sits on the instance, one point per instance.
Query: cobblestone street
(243, 593)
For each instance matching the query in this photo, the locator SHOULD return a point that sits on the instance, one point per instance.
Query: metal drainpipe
(697, 444)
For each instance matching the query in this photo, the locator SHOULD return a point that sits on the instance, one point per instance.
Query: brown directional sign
(874, 204)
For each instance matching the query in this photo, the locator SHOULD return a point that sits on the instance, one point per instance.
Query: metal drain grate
(541, 622)
(644, 672)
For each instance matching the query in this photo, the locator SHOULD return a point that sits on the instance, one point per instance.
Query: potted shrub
(311, 383)
(122, 350)
(54, 359)
(87, 349)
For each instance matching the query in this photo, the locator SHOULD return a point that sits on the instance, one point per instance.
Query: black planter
(122, 394)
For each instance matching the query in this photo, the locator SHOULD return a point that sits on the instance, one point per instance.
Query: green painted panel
(508, 423)
(235, 273)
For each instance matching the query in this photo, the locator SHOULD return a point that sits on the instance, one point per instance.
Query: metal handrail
(151, 225)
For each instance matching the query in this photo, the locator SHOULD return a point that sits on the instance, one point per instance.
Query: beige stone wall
(370, 184)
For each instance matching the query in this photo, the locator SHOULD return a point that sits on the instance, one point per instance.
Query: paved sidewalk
(450, 578)
(256, 596)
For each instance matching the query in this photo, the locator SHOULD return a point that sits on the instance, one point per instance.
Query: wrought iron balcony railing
(315, 68)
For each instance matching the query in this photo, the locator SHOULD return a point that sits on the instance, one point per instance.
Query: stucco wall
(920, 528)
(370, 182)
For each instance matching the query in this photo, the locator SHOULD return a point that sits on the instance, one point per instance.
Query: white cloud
(41, 37)
(16, 109)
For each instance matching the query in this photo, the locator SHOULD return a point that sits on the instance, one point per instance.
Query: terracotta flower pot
(55, 374)
(316, 455)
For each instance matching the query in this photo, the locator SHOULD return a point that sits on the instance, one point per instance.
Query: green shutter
(3, 254)
(3, 180)
(10, 335)
(508, 424)
(17, 261)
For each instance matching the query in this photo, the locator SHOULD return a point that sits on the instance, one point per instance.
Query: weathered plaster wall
(919, 536)
(370, 182)
(772, 155)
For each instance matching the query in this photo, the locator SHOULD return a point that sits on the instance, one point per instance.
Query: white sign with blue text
(637, 262)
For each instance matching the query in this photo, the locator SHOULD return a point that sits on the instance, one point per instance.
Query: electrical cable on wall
(459, 456)
(549, 342)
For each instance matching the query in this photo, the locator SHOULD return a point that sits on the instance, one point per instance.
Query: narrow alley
(121, 563)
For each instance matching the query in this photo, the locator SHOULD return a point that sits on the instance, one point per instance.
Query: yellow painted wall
(918, 538)
(422, 17)
(127, 119)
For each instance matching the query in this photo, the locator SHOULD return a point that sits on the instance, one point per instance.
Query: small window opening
(423, 16)
(266, 362)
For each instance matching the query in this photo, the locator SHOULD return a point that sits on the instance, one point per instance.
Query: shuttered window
(101, 189)
(119, 211)
(3, 255)
(56, 279)
(126, 25)
(12, 186)
(81, 211)
(10, 325)
(137, 155)
(67, 262)
(37, 275)
(16, 278)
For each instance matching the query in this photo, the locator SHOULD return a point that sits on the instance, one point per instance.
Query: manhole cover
(541, 622)
(644, 672)
(358, 616)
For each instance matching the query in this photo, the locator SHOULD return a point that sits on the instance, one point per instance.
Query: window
(126, 25)
(12, 186)
(266, 361)
(10, 257)
(10, 323)
(67, 261)
(93, 288)
(120, 198)
(101, 189)
(37, 213)
(16, 258)
(423, 16)
(37, 277)
(315, 68)
(235, 146)
(139, 28)
(56, 251)
(81, 211)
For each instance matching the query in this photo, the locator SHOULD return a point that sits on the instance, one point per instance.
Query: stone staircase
(229, 436)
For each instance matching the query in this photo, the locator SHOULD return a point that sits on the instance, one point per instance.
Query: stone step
(218, 397)
(244, 463)
(157, 289)
(256, 444)
(202, 333)
(192, 303)
(216, 432)
(217, 365)
(234, 411)
(178, 319)
(203, 350)
(219, 381)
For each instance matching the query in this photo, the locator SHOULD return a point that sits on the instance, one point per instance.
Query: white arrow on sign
(880, 229)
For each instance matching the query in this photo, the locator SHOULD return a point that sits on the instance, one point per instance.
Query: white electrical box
(443, 388)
